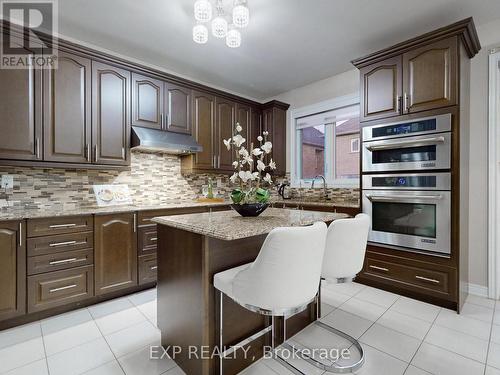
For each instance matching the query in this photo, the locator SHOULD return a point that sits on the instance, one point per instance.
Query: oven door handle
(386, 145)
(393, 198)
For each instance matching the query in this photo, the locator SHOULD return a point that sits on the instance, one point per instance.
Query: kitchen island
(192, 248)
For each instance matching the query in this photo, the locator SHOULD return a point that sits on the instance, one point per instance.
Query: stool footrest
(325, 365)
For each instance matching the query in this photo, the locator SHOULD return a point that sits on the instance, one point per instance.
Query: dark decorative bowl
(250, 209)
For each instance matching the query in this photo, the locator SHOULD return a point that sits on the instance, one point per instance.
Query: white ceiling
(288, 44)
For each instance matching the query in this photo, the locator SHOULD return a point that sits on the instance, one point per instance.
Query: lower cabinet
(60, 288)
(115, 252)
(148, 269)
(13, 273)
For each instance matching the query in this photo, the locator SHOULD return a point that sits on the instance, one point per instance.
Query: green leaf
(237, 196)
(262, 195)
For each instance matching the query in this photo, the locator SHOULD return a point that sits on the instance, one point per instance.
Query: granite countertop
(318, 203)
(229, 225)
(57, 210)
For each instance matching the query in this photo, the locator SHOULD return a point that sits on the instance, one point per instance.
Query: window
(355, 145)
(327, 144)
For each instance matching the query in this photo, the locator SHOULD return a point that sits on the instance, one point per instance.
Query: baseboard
(478, 290)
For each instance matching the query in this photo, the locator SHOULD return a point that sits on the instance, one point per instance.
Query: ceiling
(288, 44)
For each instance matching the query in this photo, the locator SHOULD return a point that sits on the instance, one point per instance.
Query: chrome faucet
(325, 193)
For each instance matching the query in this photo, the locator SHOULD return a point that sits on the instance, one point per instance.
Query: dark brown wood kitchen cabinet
(160, 105)
(255, 126)
(67, 110)
(430, 76)
(13, 274)
(419, 79)
(111, 116)
(244, 118)
(177, 108)
(381, 88)
(274, 122)
(147, 102)
(204, 131)
(21, 113)
(225, 121)
(115, 252)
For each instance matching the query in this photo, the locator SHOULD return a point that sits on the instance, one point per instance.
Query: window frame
(295, 163)
(356, 141)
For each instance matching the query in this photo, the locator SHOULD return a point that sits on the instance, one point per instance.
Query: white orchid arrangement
(250, 180)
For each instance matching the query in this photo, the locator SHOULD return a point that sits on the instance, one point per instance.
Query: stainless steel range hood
(144, 139)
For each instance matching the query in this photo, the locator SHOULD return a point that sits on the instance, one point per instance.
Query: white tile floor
(399, 335)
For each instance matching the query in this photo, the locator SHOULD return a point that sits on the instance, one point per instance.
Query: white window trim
(355, 140)
(494, 178)
(324, 106)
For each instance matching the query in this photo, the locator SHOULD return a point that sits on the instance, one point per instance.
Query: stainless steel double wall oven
(406, 183)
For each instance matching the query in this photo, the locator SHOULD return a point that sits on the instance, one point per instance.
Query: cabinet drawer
(60, 261)
(148, 239)
(148, 269)
(59, 288)
(59, 225)
(419, 279)
(60, 243)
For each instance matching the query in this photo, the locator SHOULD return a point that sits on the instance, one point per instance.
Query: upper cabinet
(430, 76)
(255, 126)
(147, 102)
(67, 110)
(274, 122)
(225, 120)
(111, 117)
(160, 105)
(177, 108)
(419, 75)
(20, 114)
(204, 132)
(244, 118)
(381, 89)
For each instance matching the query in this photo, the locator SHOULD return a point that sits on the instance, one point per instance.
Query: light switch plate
(7, 182)
(219, 182)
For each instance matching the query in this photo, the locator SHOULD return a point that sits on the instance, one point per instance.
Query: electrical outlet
(219, 182)
(7, 182)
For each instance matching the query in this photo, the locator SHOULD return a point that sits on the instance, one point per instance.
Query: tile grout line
(107, 343)
(422, 342)
(44, 348)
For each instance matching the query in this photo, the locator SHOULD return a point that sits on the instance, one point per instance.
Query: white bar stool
(344, 256)
(282, 280)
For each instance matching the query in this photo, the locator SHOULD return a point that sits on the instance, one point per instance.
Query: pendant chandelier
(219, 25)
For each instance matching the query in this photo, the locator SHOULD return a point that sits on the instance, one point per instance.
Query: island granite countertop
(229, 225)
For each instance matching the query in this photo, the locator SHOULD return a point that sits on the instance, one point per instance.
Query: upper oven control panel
(426, 125)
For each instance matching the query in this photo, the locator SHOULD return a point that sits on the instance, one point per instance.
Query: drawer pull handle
(56, 244)
(154, 239)
(58, 226)
(434, 281)
(62, 288)
(379, 268)
(153, 268)
(56, 262)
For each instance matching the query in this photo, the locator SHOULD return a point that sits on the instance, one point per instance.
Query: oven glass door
(410, 153)
(419, 220)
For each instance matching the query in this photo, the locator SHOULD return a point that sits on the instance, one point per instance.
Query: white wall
(348, 83)
(489, 35)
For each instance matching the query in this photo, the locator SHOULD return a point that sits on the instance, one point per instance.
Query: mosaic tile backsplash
(152, 179)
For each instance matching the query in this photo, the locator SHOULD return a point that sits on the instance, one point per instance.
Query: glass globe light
(202, 10)
(200, 34)
(241, 16)
(233, 38)
(219, 27)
